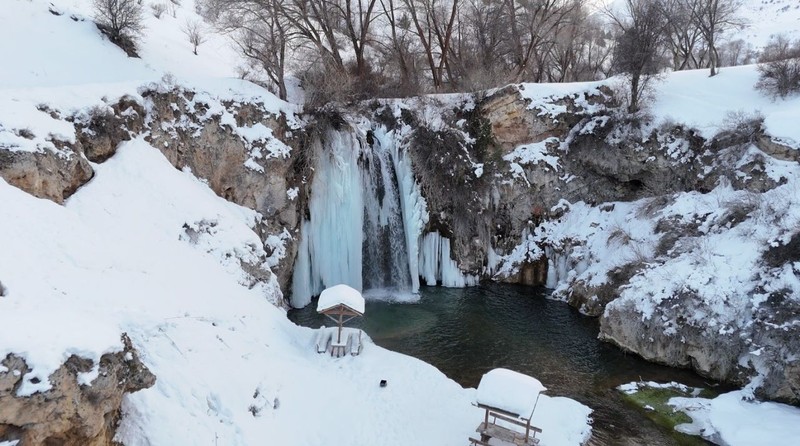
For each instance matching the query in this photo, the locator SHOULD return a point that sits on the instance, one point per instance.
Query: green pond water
(468, 331)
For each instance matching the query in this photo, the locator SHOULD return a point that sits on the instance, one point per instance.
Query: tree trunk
(633, 107)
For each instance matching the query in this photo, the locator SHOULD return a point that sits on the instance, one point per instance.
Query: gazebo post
(341, 313)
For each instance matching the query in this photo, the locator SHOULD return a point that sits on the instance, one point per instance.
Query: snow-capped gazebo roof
(340, 295)
(510, 392)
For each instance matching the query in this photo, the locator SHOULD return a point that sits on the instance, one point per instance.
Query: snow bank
(693, 98)
(734, 420)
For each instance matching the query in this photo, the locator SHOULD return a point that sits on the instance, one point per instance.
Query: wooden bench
(338, 349)
(505, 434)
(355, 346)
(323, 340)
(490, 429)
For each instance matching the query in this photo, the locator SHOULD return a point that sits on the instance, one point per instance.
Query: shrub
(157, 9)
(194, 32)
(779, 67)
(121, 21)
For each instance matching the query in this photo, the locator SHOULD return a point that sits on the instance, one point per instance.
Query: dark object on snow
(383, 383)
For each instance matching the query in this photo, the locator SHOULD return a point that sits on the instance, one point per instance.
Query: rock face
(70, 413)
(103, 128)
(494, 170)
(44, 174)
(193, 136)
(530, 157)
(236, 169)
(767, 346)
(56, 173)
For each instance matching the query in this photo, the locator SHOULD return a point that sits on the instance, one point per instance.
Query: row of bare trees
(652, 35)
(357, 48)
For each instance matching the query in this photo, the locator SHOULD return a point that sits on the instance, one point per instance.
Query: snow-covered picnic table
(509, 399)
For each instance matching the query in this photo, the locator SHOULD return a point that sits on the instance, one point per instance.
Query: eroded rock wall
(499, 173)
(71, 413)
(241, 149)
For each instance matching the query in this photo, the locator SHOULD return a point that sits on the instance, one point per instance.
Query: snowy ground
(732, 418)
(231, 368)
(703, 102)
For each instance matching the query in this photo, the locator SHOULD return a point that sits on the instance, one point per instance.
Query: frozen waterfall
(331, 241)
(436, 265)
(366, 221)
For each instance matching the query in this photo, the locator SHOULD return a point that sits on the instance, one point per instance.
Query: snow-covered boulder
(82, 405)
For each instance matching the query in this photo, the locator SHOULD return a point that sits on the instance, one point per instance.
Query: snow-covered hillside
(56, 43)
(151, 251)
(230, 367)
(765, 18)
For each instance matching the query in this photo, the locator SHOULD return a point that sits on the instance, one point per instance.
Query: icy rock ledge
(82, 405)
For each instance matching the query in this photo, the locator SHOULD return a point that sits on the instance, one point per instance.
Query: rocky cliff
(570, 192)
(626, 218)
(239, 147)
(82, 406)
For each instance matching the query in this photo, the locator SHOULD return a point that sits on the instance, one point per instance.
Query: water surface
(466, 332)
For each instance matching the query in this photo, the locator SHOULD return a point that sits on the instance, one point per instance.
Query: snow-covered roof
(509, 391)
(340, 294)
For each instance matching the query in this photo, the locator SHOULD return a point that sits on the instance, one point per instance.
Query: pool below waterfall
(467, 331)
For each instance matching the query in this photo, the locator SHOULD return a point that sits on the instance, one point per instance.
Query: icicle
(366, 216)
(436, 266)
(414, 207)
(552, 272)
(330, 251)
(302, 286)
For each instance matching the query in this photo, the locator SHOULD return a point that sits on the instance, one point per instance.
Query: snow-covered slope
(708, 104)
(231, 368)
(765, 18)
(55, 43)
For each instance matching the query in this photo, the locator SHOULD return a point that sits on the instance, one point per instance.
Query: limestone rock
(777, 148)
(53, 176)
(69, 413)
(219, 156)
(106, 127)
(512, 122)
(767, 346)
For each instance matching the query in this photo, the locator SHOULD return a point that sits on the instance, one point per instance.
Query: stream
(466, 332)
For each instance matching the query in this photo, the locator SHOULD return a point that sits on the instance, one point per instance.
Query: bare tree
(120, 19)
(712, 18)
(578, 51)
(638, 45)
(737, 52)
(683, 37)
(194, 32)
(260, 31)
(434, 22)
(477, 56)
(399, 50)
(532, 29)
(358, 16)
